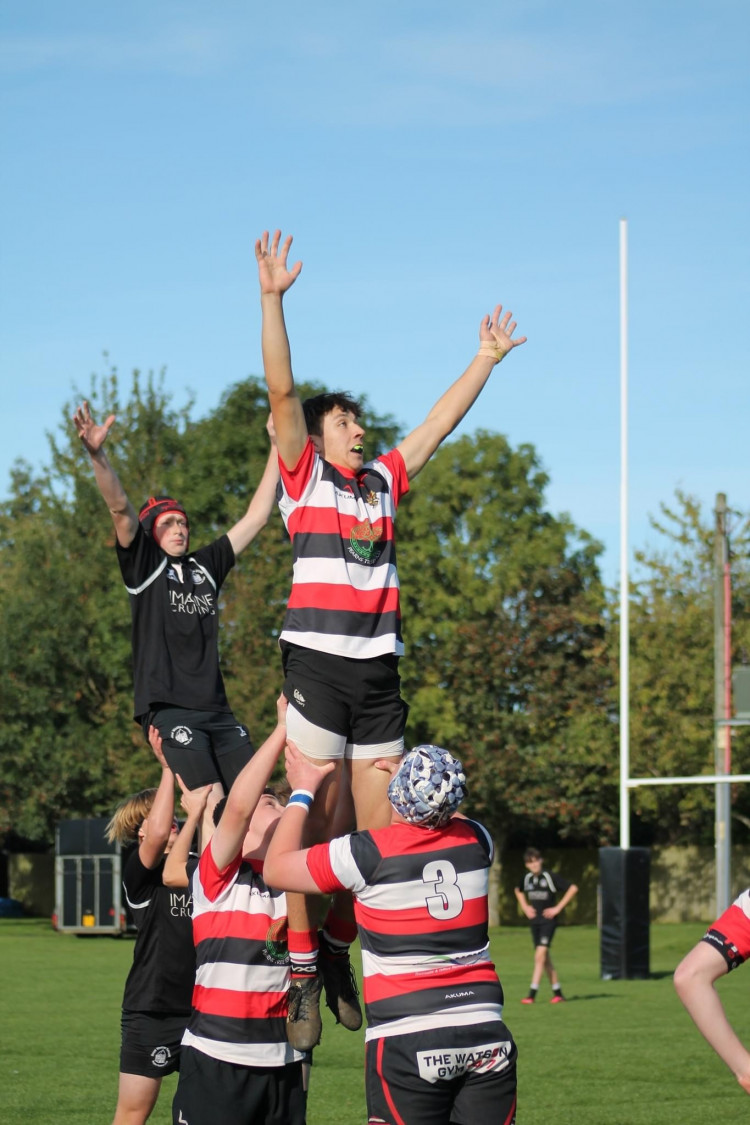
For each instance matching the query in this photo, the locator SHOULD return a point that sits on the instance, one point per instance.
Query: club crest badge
(276, 942)
(364, 539)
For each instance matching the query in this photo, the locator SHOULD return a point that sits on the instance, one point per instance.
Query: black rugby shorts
(151, 1043)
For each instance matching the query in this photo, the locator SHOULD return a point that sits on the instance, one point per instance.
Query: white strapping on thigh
(315, 742)
(369, 750)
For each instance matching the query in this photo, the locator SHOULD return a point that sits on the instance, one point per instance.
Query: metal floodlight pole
(624, 583)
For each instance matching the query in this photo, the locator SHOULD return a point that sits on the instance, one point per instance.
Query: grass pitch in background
(618, 1053)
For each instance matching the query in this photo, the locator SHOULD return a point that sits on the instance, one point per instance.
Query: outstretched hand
(498, 332)
(91, 434)
(301, 772)
(274, 275)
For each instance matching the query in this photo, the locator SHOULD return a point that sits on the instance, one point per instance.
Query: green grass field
(619, 1053)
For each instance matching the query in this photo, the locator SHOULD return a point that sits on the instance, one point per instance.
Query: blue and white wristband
(301, 797)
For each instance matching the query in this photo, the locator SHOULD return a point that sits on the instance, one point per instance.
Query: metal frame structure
(722, 778)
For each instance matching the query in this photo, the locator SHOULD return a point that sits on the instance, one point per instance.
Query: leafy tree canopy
(672, 673)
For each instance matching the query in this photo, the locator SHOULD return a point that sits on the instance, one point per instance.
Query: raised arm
(262, 503)
(494, 344)
(245, 793)
(275, 279)
(161, 816)
(193, 802)
(93, 437)
(694, 980)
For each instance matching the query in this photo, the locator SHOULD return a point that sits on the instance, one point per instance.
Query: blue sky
(431, 160)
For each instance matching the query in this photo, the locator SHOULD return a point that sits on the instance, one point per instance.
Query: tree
(672, 674)
(507, 660)
(68, 745)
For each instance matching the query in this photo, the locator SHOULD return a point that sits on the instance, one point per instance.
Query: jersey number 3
(446, 900)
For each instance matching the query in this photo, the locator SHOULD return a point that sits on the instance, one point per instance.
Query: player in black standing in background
(537, 895)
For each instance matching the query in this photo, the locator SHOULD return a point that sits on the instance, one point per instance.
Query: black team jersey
(162, 975)
(542, 890)
(174, 604)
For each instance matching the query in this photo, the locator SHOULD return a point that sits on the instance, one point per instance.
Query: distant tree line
(512, 639)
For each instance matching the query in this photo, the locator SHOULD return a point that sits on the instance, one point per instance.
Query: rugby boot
(303, 1023)
(340, 983)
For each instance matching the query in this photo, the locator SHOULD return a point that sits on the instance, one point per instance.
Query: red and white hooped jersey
(345, 594)
(420, 900)
(242, 966)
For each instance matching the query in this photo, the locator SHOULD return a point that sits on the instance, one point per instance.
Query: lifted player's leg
(303, 1020)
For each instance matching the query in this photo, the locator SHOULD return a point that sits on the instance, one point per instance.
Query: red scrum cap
(157, 506)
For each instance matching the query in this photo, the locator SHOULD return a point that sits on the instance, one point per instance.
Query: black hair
(531, 853)
(222, 804)
(318, 406)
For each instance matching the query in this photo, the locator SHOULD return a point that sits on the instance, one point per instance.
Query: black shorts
(201, 746)
(151, 1043)
(542, 931)
(446, 1076)
(211, 1091)
(357, 699)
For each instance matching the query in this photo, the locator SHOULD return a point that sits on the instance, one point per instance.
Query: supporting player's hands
(274, 275)
(217, 794)
(90, 432)
(194, 801)
(155, 742)
(271, 430)
(496, 334)
(282, 703)
(744, 1081)
(387, 765)
(301, 773)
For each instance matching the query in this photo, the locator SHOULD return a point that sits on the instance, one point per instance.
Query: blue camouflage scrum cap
(428, 786)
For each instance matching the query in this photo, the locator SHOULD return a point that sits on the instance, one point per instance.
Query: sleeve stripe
(135, 590)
